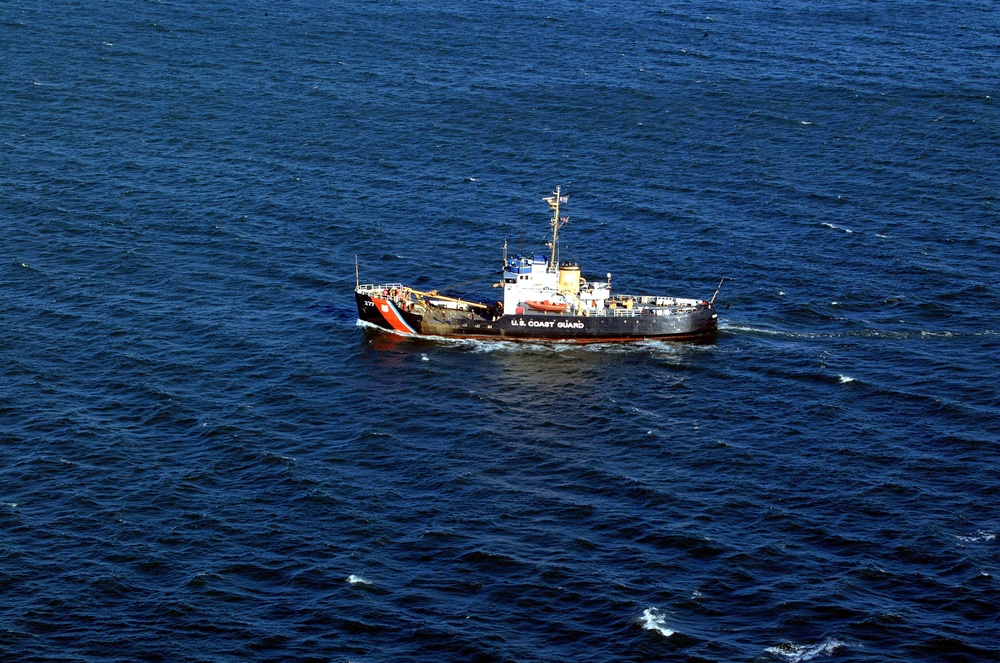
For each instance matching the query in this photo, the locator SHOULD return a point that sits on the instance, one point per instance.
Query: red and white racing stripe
(393, 316)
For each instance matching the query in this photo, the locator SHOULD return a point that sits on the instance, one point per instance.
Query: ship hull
(699, 324)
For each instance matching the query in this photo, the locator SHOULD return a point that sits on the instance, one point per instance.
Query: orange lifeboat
(546, 305)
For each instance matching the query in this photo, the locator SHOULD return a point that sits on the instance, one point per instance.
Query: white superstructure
(543, 281)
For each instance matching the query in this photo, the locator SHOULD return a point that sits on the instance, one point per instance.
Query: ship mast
(556, 223)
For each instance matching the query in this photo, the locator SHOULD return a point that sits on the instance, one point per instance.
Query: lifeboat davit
(546, 305)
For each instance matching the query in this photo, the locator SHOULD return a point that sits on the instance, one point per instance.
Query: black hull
(699, 324)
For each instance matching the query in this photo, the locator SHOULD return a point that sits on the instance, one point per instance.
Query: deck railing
(369, 287)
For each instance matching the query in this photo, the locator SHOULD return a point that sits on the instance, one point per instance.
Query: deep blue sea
(203, 457)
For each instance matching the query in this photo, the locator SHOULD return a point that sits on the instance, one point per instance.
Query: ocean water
(204, 458)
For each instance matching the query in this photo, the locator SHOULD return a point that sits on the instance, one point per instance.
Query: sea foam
(978, 537)
(653, 619)
(358, 580)
(790, 651)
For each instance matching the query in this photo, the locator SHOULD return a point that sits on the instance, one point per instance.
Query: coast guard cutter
(543, 299)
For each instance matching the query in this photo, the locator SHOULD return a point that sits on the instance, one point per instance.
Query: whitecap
(358, 580)
(790, 651)
(653, 619)
(979, 536)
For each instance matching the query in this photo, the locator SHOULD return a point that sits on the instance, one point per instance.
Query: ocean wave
(794, 653)
(358, 580)
(653, 619)
(194, 426)
(979, 537)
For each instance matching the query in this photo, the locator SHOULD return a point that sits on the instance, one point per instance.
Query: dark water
(203, 458)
